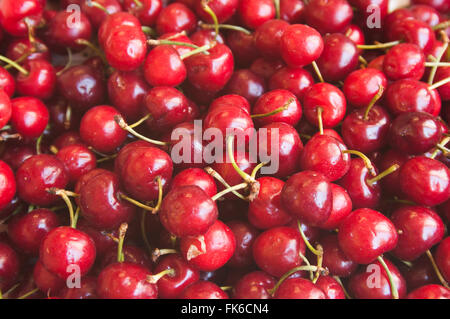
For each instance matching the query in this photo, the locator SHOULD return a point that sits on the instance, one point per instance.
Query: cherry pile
(93, 205)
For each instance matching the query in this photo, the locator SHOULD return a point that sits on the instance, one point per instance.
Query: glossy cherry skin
(355, 182)
(39, 82)
(16, 154)
(197, 177)
(103, 243)
(66, 139)
(224, 10)
(203, 290)
(115, 20)
(125, 281)
(7, 185)
(328, 16)
(355, 33)
(7, 82)
(266, 68)
(307, 196)
(36, 175)
(444, 90)
(276, 250)
(430, 292)
(27, 230)
(342, 206)
(391, 183)
(96, 15)
(126, 91)
(421, 273)
(366, 135)
(334, 258)
(230, 100)
(245, 235)
(125, 48)
(13, 14)
(301, 45)
(323, 154)
(404, 61)
(365, 234)
(87, 290)
(413, 31)
(339, 57)
(187, 211)
(99, 129)
(132, 254)
(360, 86)
(419, 229)
(254, 13)
(243, 47)
(141, 167)
(77, 160)
(29, 116)
(298, 288)
(147, 13)
(65, 246)
(176, 17)
(295, 80)
(425, 181)
(331, 288)
(246, 84)
(442, 256)
(273, 100)
(5, 108)
(164, 67)
(219, 247)
(330, 99)
(9, 266)
(411, 96)
(81, 86)
(46, 281)
(363, 285)
(100, 203)
(254, 285)
(268, 37)
(210, 72)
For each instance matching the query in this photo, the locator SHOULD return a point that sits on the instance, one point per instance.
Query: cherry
(100, 202)
(323, 154)
(171, 286)
(38, 174)
(96, 15)
(29, 116)
(9, 266)
(131, 254)
(77, 160)
(66, 139)
(203, 290)
(5, 108)
(430, 292)
(115, 20)
(331, 288)
(205, 37)
(243, 47)
(99, 129)
(126, 91)
(254, 285)
(342, 206)
(362, 284)
(307, 196)
(146, 11)
(404, 61)
(298, 288)
(246, 84)
(444, 90)
(23, 48)
(62, 116)
(103, 242)
(354, 33)
(442, 256)
(421, 273)
(16, 154)
(176, 17)
(362, 85)
(391, 183)
(301, 45)
(164, 67)
(210, 251)
(266, 68)
(87, 290)
(245, 235)
(331, 101)
(413, 31)
(124, 280)
(64, 247)
(365, 7)
(46, 281)
(425, 181)
(440, 5)
(268, 37)
(7, 185)
(187, 211)
(27, 230)
(295, 80)
(15, 15)
(185, 161)
(330, 16)
(334, 258)
(7, 82)
(278, 249)
(230, 100)
(292, 11)
(254, 13)
(223, 9)
(377, 63)
(365, 234)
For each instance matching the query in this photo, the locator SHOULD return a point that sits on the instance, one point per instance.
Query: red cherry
(164, 67)
(87, 290)
(268, 37)
(254, 13)
(254, 285)
(176, 17)
(266, 68)
(444, 90)
(13, 15)
(354, 33)
(77, 160)
(223, 9)
(7, 82)
(331, 288)
(295, 80)
(29, 116)
(9, 268)
(243, 47)
(115, 20)
(430, 292)
(147, 12)
(47, 281)
(96, 15)
(334, 258)
(230, 100)
(328, 16)
(246, 84)
(421, 273)
(7, 185)
(132, 254)
(17, 153)
(298, 288)
(442, 257)
(362, 85)
(203, 290)
(245, 235)
(195, 177)
(342, 206)
(32, 50)
(404, 61)
(413, 31)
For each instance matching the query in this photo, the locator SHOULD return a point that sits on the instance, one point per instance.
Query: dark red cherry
(176, 17)
(243, 47)
(328, 16)
(36, 175)
(254, 285)
(29, 116)
(372, 282)
(268, 38)
(404, 61)
(444, 90)
(7, 82)
(203, 290)
(391, 183)
(96, 15)
(32, 50)
(63, 248)
(430, 292)
(77, 160)
(323, 154)
(425, 181)
(147, 12)
(230, 100)
(419, 274)
(103, 242)
(99, 129)
(266, 68)
(210, 251)
(66, 139)
(197, 177)
(440, 5)
(298, 288)
(124, 280)
(131, 254)
(278, 249)
(334, 258)
(164, 67)
(178, 37)
(413, 31)
(342, 206)
(62, 116)
(27, 230)
(307, 196)
(13, 15)
(362, 85)
(442, 257)
(246, 84)
(245, 235)
(301, 45)
(87, 290)
(17, 153)
(9, 266)
(46, 281)
(292, 11)
(331, 288)
(223, 9)
(365, 234)
(7, 185)
(254, 13)
(295, 80)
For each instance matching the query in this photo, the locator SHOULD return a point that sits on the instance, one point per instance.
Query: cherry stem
(319, 119)
(38, 144)
(315, 251)
(97, 5)
(30, 28)
(442, 143)
(224, 26)
(440, 83)
(29, 293)
(226, 288)
(229, 190)
(13, 64)
(203, 49)
(170, 42)
(138, 3)
(319, 263)
(122, 231)
(438, 59)
(139, 122)
(67, 117)
(372, 102)
(161, 252)
(153, 279)
(93, 48)
(6, 294)
(394, 291)
(277, 8)
(436, 269)
(366, 160)
(442, 25)
(383, 174)
(363, 61)
(148, 31)
(212, 14)
(303, 257)
(317, 70)
(68, 64)
(276, 111)
(137, 203)
(256, 169)
(342, 286)
(65, 197)
(5, 136)
(377, 46)
(121, 122)
(219, 178)
(247, 178)
(436, 64)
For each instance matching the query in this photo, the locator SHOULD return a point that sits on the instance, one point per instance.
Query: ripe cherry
(223, 9)
(77, 160)
(176, 17)
(254, 285)
(329, 16)
(334, 258)
(164, 67)
(96, 15)
(29, 116)
(7, 185)
(331, 288)
(362, 85)
(430, 292)
(295, 80)
(9, 268)
(342, 206)
(298, 288)
(87, 290)
(268, 37)
(254, 13)
(413, 31)
(46, 281)
(203, 290)
(245, 235)
(404, 61)
(32, 50)
(147, 11)
(246, 84)
(7, 82)
(14, 13)
(442, 257)
(115, 20)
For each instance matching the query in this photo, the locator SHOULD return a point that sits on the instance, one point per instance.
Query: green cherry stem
(436, 269)
(122, 231)
(315, 251)
(276, 111)
(394, 291)
(383, 174)
(224, 26)
(121, 122)
(153, 279)
(373, 101)
(220, 179)
(229, 190)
